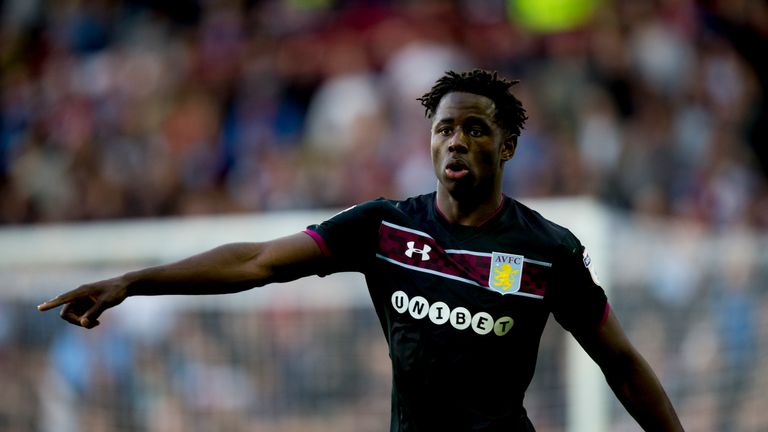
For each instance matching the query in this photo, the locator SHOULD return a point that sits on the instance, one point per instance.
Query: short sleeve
(349, 239)
(576, 299)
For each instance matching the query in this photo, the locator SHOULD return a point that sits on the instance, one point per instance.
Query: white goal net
(310, 355)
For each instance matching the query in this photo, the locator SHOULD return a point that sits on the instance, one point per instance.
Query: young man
(463, 279)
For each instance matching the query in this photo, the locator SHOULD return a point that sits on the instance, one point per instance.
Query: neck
(469, 210)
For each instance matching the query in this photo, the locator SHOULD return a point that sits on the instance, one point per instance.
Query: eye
(444, 131)
(475, 132)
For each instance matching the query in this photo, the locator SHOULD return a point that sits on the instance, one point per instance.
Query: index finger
(57, 301)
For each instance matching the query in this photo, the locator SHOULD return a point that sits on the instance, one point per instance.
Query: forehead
(456, 105)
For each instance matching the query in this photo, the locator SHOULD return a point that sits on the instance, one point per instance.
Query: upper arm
(606, 344)
(290, 257)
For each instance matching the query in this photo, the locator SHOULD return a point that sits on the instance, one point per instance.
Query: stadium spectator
(89, 95)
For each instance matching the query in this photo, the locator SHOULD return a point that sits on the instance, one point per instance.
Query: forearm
(629, 376)
(641, 393)
(226, 269)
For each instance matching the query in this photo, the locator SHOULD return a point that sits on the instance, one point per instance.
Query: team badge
(506, 272)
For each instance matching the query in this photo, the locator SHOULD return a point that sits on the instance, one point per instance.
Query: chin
(459, 189)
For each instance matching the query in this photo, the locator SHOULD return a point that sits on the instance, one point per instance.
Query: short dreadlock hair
(510, 114)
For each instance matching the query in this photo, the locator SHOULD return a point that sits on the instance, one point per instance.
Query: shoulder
(415, 204)
(389, 207)
(376, 210)
(543, 229)
(386, 205)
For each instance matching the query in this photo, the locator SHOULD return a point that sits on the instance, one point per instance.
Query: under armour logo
(412, 248)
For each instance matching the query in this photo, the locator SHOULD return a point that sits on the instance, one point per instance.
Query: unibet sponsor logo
(460, 317)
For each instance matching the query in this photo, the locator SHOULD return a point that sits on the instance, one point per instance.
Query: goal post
(40, 261)
(586, 389)
(693, 300)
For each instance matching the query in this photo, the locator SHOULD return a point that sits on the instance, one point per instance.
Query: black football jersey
(462, 308)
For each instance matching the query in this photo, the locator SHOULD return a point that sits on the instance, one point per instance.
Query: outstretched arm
(226, 269)
(629, 376)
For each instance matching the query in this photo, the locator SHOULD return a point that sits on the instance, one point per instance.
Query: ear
(508, 148)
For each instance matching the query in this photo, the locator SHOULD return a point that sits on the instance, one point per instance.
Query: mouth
(456, 169)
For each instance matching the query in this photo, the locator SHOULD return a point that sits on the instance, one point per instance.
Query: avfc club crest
(506, 272)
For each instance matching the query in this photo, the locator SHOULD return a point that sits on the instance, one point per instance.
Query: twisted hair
(510, 114)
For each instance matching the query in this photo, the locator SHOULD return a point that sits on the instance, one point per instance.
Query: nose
(458, 142)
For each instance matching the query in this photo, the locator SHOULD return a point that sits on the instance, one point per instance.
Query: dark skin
(468, 154)
(469, 150)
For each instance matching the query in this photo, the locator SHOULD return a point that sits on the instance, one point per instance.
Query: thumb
(90, 318)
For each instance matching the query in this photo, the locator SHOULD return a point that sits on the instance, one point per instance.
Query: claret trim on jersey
(418, 251)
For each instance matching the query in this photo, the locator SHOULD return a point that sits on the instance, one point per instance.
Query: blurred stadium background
(195, 122)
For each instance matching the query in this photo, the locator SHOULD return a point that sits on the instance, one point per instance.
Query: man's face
(468, 147)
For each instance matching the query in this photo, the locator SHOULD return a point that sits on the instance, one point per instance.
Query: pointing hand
(83, 306)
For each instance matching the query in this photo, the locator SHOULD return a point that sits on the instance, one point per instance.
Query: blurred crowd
(695, 305)
(115, 109)
(139, 108)
(275, 370)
